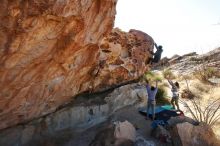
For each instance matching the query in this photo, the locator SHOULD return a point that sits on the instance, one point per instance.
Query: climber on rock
(157, 54)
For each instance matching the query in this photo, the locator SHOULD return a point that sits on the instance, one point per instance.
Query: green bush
(168, 74)
(161, 96)
(151, 76)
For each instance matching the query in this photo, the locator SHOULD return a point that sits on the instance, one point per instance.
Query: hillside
(198, 73)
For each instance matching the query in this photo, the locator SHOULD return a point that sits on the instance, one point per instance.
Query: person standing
(151, 92)
(175, 94)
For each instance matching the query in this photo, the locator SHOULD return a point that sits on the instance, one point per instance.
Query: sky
(180, 26)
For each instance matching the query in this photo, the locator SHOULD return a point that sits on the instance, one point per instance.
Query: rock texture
(122, 133)
(196, 135)
(85, 112)
(52, 50)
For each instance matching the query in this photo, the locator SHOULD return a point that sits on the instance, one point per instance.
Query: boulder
(121, 134)
(141, 141)
(181, 119)
(191, 135)
(125, 130)
(126, 95)
(51, 51)
(161, 134)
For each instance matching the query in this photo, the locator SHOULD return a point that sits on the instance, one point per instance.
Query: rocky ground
(189, 63)
(79, 123)
(130, 114)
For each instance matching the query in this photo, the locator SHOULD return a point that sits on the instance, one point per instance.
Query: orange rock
(52, 50)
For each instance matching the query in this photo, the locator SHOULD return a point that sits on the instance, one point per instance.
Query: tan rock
(196, 135)
(125, 130)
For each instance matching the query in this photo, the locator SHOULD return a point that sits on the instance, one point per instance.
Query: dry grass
(168, 74)
(209, 113)
(202, 87)
(205, 73)
(205, 106)
(152, 77)
(204, 102)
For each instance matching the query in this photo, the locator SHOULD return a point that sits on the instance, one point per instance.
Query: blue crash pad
(162, 112)
(157, 109)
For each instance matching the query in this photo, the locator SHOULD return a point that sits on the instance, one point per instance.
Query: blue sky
(180, 26)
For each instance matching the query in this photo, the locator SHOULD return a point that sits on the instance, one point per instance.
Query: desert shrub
(161, 96)
(152, 76)
(209, 113)
(168, 74)
(186, 77)
(217, 73)
(202, 87)
(165, 84)
(158, 78)
(211, 71)
(193, 59)
(204, 73)
(149, 74)
(187, 94)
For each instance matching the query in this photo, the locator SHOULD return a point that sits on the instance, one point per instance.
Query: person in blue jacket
(151, 91)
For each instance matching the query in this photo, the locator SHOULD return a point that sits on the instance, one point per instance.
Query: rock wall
(52, 50)
(79, 116)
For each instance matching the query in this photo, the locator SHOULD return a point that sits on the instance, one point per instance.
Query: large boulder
(126, 95)
(161, 134)
(121, 134)
(201, 135)
(86, 111)
(52, 50)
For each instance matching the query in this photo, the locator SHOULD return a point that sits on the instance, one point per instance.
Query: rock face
(85, 112)
(52, 50)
